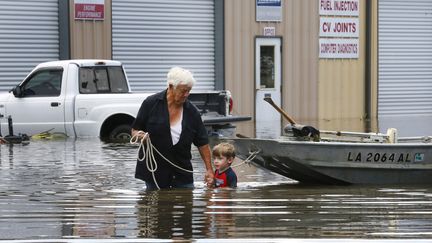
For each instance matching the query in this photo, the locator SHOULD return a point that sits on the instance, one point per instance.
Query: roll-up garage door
(405, 66)
(28, 35)
(152, 36)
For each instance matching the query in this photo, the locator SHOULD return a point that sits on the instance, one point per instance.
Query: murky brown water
(85, 189)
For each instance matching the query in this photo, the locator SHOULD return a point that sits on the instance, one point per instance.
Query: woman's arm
(206, 157)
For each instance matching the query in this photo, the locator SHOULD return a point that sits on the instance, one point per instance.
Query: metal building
(254, 48)
(149, 37)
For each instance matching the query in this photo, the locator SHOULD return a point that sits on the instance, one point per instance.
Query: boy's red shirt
(227, 178)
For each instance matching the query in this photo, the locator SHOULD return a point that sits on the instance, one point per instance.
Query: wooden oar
(298, 130)
(283, 113)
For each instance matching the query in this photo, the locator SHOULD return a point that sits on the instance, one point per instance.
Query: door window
(43, 83)
(267, 63)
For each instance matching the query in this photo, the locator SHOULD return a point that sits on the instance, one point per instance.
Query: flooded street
(81, 189)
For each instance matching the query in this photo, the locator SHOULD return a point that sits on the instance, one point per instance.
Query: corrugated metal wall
(240, 29)
(405, 66)
(342, 87)
(328, 94)
(151, 36)
(298, 30)
(28, 35)
(300, 94)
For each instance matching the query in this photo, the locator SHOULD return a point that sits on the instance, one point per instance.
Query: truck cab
(46, 100)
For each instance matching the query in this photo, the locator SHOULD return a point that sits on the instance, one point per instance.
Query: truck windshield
(107, 79)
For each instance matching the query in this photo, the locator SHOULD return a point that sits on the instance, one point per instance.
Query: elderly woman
(172, 124)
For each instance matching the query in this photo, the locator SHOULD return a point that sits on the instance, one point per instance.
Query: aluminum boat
(343, 158)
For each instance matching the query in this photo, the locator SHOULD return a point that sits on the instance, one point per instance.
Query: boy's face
(221, 162)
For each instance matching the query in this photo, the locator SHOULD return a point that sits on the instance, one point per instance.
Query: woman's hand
(209, 178)
(138, 136)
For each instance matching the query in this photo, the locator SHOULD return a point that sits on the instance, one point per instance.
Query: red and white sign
(339, 7)
(338, 48)
(89, 9)
(339, 27)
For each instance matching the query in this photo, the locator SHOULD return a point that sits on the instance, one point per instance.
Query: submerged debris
(49, 136)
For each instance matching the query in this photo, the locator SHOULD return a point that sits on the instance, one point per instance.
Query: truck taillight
(231, 104)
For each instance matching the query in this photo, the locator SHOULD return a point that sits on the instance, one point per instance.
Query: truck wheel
(121, 133)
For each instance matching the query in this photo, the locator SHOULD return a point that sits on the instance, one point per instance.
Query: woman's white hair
(178, 75)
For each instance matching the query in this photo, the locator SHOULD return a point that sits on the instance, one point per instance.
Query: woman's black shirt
(153, 117)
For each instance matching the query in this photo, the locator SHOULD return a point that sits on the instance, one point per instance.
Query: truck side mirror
(17, 92)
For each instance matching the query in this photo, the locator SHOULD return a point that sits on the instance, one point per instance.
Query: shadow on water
(85, 189)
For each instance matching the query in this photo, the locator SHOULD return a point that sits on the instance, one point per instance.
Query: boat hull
(341, 162)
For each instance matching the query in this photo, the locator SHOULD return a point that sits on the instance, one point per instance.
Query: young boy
(224, 155)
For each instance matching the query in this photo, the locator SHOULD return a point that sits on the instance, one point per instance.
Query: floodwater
(84, 189)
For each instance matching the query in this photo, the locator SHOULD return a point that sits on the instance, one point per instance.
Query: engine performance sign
(89, 9)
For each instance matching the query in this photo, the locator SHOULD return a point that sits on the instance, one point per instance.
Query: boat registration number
(385, 157)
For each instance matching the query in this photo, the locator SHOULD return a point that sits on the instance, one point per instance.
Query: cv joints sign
(89, 9)
(339, 27)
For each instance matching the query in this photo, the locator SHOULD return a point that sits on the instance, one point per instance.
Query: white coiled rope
(148, 149)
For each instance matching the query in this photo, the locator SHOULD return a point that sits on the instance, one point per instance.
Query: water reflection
(165, 213)
(81, 189)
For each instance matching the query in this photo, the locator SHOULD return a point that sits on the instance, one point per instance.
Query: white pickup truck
(92, 98)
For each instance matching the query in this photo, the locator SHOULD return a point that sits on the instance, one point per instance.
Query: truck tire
(120, 133)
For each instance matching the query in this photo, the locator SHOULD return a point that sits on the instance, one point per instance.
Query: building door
(268, 84)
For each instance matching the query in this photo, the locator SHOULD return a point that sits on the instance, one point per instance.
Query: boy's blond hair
(224, 149)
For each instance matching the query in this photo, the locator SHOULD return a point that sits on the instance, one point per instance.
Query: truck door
(39, 107)
(268, 84)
